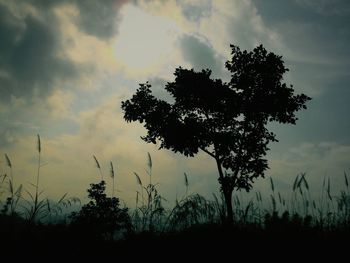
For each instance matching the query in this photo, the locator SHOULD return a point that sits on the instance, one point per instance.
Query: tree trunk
(228, 201)
(227, 191)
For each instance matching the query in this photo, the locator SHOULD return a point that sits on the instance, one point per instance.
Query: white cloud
(60, 102)
(145, 42)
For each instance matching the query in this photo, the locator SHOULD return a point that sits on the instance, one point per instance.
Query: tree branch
(206, 151)
(214, 155)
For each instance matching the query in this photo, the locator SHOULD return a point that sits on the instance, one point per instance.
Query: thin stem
(101, 174)
(35, 210)
(12, 191)
(11, 174)
(218, 163)
(113, 188)
(150, 176)
(36, 188)
(206, 151)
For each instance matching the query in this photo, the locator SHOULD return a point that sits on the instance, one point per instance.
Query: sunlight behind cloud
(144, 41)
(66, 66)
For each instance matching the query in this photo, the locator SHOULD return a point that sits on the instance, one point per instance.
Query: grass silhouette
(194, 219)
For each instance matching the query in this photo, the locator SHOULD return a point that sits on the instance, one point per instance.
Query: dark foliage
(101, 218)
(226, 120)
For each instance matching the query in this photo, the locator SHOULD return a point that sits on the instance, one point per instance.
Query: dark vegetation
(104, 227)
(225, 120)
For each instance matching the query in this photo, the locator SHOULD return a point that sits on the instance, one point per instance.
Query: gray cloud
(28, 55)
(98, 18)
(29, 46)
(317, 160)
(7, 137)
(201, 55)
(308, 31)
(329, 113)
(195, 11)
(326, 7)
(315, 37)
(275, 10)
(158, 89)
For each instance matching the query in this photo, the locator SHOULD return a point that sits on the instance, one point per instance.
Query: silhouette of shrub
(101, 218)
(290, 225)
(193, 210)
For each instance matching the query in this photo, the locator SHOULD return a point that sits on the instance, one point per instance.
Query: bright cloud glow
(144, 41)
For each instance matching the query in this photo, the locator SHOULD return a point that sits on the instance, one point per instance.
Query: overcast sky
(65, 67)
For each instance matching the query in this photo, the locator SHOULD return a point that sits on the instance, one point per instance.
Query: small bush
(101, 218)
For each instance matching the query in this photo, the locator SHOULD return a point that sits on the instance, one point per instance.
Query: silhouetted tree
(101, 217)
(225, 120)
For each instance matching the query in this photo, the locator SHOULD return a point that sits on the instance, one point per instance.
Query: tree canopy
(102, 217)
(225, 120)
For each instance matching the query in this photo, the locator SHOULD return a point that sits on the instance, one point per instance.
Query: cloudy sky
(65, 67)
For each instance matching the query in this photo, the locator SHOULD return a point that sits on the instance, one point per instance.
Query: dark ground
(20, 239)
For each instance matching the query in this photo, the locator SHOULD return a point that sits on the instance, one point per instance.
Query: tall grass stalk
(9, 164)
(149, 164)
(186, 183)
(98, 166)
(151, 209)
(113, 176)
(38, 173)
(15, 195)
(38, 205)
(139, 182)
